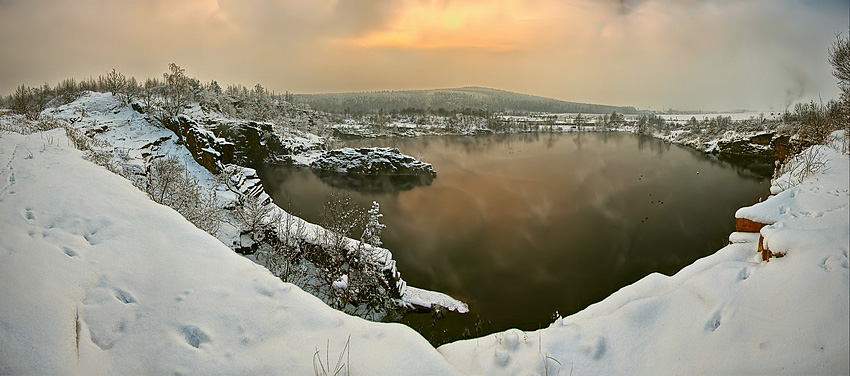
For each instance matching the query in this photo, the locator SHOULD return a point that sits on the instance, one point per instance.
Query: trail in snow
(8, 173)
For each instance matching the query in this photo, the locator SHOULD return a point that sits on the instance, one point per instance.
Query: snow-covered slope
(137, 140)
(98, 279)
(728, 313)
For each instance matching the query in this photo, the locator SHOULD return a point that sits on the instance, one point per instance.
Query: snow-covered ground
(98, 279)
(132, 134)
(728, 313)
(735, 116)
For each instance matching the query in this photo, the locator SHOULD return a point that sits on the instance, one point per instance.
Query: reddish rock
(746, 225)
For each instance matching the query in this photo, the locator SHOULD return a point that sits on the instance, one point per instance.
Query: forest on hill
(451, 100)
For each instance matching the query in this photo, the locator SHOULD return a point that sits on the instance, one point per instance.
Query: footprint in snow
(713, 323)
(194, 336)
(744, 274)
(124, 296)
(70, 252)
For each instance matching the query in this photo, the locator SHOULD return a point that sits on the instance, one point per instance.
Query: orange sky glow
(694, 54)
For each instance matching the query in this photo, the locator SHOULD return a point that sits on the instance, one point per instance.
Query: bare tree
(177, 91)
(20, 101)
(839, 57)
(116, 83)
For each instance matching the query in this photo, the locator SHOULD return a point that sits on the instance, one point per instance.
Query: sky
(651, 54)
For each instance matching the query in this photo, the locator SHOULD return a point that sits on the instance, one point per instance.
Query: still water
(523, 226)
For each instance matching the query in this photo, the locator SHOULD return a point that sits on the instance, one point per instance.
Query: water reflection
(521, 226)
(373, 184)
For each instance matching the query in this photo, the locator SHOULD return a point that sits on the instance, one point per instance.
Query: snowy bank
(98, 279)
(132, 140)
(728, 313)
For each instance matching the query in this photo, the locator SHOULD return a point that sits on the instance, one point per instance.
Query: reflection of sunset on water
(572, 217)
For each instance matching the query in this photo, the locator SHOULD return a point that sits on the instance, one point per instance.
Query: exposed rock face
(255, 142)
(746, 225)
(207, 149)
(246, 143)
(757, 153)
(372, 169)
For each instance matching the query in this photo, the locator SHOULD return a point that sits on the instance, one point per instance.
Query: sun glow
(492, 26)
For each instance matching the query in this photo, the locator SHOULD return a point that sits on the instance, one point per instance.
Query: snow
(728, 313)
(371, 161)
(98, 279)
(115, 124)
(427, 299)
(341, 283)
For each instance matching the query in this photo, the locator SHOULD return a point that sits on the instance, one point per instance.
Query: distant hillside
(478, 98)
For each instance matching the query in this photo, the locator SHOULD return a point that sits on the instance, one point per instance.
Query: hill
(477, 98)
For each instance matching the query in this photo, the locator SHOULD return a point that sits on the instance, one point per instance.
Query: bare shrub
(283, 255)
(339, 217)
(81, 141)
(168, 182)
(799, 167)
(21, 124)
(814, 123)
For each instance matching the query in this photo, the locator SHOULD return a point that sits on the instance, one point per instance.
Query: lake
(522, 226)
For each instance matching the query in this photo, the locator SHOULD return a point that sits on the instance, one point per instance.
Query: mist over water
(522, 226)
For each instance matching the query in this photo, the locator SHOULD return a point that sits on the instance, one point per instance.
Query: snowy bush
(21, 124)
(250, 215)
(168, 182)
(348, 274)
(373, 227)
(283, 254)
(799, 167)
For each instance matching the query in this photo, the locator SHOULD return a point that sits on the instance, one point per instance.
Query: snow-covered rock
(371, 161)
(370, 169)
(120, 127)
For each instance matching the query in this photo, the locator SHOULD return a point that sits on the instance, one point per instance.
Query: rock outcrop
(208, 150)
(255, 142)
(756, 153)
(372, 169)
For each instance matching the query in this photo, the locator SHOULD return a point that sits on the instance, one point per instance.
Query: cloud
(625, 7)
(487, 25)
(710, 54)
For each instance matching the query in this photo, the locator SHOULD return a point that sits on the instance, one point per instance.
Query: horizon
(709, 55)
